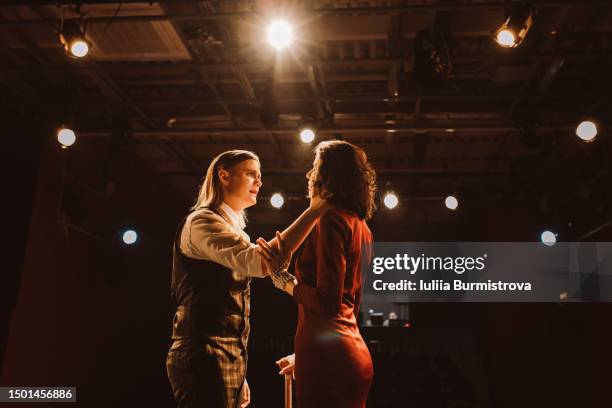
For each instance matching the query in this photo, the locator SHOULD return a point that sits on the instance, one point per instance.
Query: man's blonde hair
(211, 191)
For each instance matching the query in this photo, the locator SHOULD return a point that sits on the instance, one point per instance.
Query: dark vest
(211, 300)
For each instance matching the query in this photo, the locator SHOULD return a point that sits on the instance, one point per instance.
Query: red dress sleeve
(330, 244)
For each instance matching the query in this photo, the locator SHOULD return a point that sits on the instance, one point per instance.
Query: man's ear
(224, 176)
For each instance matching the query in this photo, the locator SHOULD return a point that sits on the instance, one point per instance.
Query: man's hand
(246, 395)
(318, 202)
(273, 258)
(287, 365)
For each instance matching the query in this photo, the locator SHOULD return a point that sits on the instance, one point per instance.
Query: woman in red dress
(333, 367)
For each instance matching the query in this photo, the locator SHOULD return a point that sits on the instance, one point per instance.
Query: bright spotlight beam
(280, 34)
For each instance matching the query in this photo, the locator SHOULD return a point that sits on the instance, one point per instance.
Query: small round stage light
(586, 130)
(307, 135)
(391, 201)
(66, 137)
(548, 238)
(277, 200)
(130, 237)
(451, 202)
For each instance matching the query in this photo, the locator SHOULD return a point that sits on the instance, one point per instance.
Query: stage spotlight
(451, 203)
(280, 34)
(586, 130)
(548, 238)
(505, 38)
(73, 39)
(79, 48)
(66, 137)
(130, 237)
(514, 30)
(391, 200)
(277, 200)
(307, 135)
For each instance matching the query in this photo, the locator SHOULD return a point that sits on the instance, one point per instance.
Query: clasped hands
(276, 259)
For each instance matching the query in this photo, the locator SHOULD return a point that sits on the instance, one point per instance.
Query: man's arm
(212, 238)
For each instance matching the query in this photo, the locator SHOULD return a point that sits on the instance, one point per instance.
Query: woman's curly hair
(344, 171)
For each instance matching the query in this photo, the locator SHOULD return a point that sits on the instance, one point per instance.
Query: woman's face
(313, 176)
(241, 184)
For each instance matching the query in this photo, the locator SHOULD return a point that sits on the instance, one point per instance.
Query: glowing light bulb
(277, 200)
(79, 48)
(451, 203)
(66, 137)
(130, 237)
(586, 130)
(391, 201)
(506, 38)
(307, 135)
(280, 34)
(548, 238)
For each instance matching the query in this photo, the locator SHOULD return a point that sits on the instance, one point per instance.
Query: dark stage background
(421, 86)
(81, 310)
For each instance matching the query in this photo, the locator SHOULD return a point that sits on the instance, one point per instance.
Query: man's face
(241, 184)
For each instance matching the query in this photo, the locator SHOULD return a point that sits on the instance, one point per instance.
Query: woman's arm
(326, 297)
(296, 233)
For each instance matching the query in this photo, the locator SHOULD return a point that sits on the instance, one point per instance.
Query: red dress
(333, 367)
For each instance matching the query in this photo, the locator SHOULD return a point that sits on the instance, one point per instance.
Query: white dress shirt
(208, 236)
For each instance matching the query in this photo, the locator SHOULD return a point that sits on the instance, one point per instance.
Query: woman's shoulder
(342, 214)
(340, 217)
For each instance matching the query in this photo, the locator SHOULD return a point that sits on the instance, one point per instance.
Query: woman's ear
(224, 176)
(324, 192)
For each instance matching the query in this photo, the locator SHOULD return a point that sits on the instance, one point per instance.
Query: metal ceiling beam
(230, 44)
(361, 98)
(177, 82)
(201, 72)
(312, 13)
(114, 94)
(101, 80)
(331, 130)
(172, 68)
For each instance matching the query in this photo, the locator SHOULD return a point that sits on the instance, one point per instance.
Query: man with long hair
(213, 263)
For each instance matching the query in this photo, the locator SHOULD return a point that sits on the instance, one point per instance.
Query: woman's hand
(287, 365)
